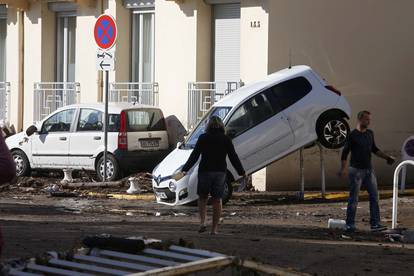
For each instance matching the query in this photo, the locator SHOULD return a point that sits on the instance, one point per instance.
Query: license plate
(161, 195)
(150, 143)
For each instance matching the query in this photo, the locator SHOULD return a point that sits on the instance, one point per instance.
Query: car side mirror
(31, 130)
(179, 145)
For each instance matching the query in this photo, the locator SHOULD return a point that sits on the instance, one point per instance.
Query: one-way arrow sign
(105, 60)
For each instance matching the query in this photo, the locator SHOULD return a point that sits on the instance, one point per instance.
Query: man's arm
(7, 166)
(344, 156)
(390, 160)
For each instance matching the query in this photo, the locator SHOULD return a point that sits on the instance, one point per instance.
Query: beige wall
(13, 66)
(175, 53)
(364, 48)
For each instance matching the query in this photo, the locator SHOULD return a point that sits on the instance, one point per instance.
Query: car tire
(22, 163)
(228, 190)
(332, 132)
(112, 168)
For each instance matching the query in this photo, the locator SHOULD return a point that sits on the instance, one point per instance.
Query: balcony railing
(202, 96)
(4, 101)
(139, 92)
(49, 96)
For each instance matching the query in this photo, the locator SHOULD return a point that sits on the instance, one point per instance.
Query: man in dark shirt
(361, 144)
(213, 146)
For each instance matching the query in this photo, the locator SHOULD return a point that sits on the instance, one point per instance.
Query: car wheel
(332, 132)
(112, 168)
(228, 190)
(22, 163)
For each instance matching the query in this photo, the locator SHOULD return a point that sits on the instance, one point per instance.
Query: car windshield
(216, 111)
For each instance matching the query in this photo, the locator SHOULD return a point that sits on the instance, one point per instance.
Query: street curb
(342, 196)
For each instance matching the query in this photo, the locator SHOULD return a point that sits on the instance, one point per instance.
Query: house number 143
(255, 24)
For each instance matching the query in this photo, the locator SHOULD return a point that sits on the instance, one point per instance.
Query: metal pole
(106, 123)
(302, 175)
(323, 187)
(403, 178)
(395, 191)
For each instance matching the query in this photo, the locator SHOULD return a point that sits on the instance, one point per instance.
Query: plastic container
(336, 224)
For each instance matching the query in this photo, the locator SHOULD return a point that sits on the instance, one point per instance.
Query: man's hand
(341, 173)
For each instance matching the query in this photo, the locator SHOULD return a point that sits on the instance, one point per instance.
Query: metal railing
(4, 101)
(49, 96)
(139, 92)
(202, 96)
(395, 191)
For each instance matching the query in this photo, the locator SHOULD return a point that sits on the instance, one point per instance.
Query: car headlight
(172, 186)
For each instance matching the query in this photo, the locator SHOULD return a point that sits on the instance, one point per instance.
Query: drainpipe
(20, 86)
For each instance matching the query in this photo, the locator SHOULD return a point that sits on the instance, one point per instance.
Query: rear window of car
(148, 119)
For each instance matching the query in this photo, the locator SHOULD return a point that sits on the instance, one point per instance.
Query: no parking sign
(105, 32)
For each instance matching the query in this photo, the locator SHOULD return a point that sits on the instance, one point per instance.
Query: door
(66, 48)
(260, 132)
(87, 139)
(50, 147)
(226, 44)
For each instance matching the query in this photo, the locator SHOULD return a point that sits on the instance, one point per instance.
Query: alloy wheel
(335, 132)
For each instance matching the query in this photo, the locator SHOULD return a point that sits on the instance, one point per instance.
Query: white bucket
(336, 224)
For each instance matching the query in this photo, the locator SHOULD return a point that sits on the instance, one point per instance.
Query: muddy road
(274, 232)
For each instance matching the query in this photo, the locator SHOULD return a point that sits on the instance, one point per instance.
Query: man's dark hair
(362, 113)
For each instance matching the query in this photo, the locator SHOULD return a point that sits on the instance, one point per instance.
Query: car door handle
(97, 138)
(63, 138)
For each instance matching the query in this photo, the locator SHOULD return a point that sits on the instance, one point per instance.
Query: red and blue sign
(105, 31)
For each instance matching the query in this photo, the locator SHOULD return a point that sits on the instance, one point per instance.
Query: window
(289, 92)
(90, 120)
(59, 122)
(143, 46)
(254, 111)
(200, 129)
(66, 48)
(145, 120)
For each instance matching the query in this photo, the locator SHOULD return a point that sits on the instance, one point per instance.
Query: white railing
(49, 96)
(139, 92)
(202, 95)
(395, 191)
(4, 101)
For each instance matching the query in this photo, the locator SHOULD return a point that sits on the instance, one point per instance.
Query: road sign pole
(106, 124)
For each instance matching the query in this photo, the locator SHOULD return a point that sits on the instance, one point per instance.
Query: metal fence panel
(49, 96)
(4, 101)
(202, 96)
(140, 92)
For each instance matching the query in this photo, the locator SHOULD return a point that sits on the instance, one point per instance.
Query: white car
(267, 121)
(73, 137)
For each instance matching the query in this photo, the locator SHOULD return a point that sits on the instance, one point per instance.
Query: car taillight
(122, 136)
(333, 89)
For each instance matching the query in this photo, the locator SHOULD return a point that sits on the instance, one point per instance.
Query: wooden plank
(197, 266)
(198, 252)
(271, 270)
(87, 267)
(139, 258)
(56, 271)
(172, 255)
(111, 262)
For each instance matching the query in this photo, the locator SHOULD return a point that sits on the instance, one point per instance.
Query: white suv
(267, 120)
(73, 137)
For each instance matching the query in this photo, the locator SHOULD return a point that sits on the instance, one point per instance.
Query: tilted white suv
(267, 120)
(73, 137)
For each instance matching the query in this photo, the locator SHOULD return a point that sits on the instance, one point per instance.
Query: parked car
(267, 121)
(73, 137)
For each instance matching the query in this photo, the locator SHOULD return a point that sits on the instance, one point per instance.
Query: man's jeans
(366, 177)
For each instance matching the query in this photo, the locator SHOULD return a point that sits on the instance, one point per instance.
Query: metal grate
(176, 260)
(49, 96)
(4, 101)
(139, 92)
(202, 95)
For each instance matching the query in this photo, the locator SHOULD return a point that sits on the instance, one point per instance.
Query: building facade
(183, 55)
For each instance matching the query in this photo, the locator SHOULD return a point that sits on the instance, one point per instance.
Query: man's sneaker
(378, 228)
(350, 229)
